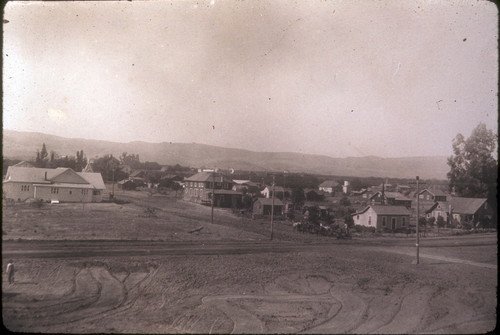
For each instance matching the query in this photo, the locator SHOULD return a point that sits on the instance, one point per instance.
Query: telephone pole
(418, 219)
(272, 211)
(213, 195)
(418, 216)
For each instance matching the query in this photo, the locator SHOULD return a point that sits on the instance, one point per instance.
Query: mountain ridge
(23, 145)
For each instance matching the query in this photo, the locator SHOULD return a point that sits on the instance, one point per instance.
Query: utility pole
(418, 219)
(272, 211)
(418, 216)
(113, 190)
(284, 184)
(213, 195)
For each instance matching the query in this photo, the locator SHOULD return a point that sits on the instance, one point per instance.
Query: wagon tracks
(95, 293)
(406, 308)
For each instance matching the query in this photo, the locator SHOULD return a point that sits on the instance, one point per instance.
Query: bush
(37, 203)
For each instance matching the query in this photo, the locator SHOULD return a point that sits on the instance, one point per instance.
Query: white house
(328, 186)
(61, 184)
(383, 217)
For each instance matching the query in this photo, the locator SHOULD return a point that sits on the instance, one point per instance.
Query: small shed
(263, 206)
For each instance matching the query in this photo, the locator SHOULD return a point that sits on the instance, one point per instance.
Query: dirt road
(140, 286)
(115, 268)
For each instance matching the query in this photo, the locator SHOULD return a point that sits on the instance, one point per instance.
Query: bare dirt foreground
(130, 273)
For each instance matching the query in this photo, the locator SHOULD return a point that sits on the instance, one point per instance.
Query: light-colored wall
(326, 189)
(377, 220)
(64, 194)
(14, 190)
(363, 219)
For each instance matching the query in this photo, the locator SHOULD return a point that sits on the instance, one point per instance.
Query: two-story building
(202, 186)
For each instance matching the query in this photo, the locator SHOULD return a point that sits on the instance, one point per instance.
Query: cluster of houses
(382, 207)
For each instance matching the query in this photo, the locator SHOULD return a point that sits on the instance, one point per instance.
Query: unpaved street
(352, 286)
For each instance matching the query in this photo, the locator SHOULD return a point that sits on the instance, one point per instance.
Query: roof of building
(47, 176)
(93, 178)
(24, 164)
(396, 196)
(278, 189)
(209, 176)
(434, 192)
(329, 183)
(386, 210)
(308, 190)
(461, 205)
(66, 185)
(392, 195)
(137, 173)
(269, 201)
(240, 181)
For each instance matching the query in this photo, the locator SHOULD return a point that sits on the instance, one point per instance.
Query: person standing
(10, 272)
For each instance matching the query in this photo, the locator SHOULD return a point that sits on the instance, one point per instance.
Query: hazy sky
(341, 78)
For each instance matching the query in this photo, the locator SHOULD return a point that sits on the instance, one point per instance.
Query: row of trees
(53, 160)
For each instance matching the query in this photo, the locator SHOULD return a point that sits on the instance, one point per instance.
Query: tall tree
(41, 157)
(473, 166)
(108, 167)
(81, 161)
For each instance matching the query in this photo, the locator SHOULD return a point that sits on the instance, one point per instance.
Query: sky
(338, 78)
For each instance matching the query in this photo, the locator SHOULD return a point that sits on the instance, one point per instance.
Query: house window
(25, 187)
(421, 196)
(84, 192)
(427, 197)
(403, 223)
(96, 192)
(383, 221)
(357, 217)
(369, 220)
(70, 192)
(54, 190)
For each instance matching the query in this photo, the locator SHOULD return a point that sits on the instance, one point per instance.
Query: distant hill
(23, 145)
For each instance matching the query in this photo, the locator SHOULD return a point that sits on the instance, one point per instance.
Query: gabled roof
(51, 176)
(31, 175)
(208, 176)
(466, 205)
(434, 192)
(329, 183)
(386, 210)
(95, 179)
(24, 164)
(460, 205)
